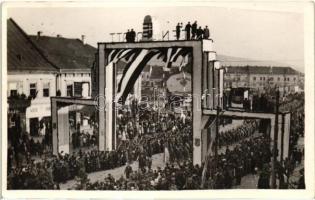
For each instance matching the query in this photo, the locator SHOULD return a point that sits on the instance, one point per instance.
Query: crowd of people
(251, 155)
(245, 158)
(295, 105)
(24, 149)
(179, 172)
(248, 157)
(65, 167)
(292, 102)
(84, 139)
(151, 133)
(193, 32)
(262, 103)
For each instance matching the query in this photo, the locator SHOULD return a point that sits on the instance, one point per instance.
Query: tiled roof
(22, 54)
(66, 53)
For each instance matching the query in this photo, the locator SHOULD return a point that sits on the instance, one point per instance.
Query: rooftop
(66, 53)
(22, 54)
(261, 70)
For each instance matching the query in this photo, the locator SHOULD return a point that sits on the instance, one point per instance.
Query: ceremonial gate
(204, 85)
(207, 86)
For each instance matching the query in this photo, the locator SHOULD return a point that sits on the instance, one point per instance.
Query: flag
(150, 70)
(210, 150)
(183, 116)
(221, 84)
(182, 63)
(213, 135)
(246, 94)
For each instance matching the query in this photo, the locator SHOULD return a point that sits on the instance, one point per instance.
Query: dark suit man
(188, 29)
(194, 30)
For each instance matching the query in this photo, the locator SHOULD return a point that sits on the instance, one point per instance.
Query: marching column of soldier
(235, 135)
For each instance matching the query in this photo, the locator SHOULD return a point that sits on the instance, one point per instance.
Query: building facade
(262, 78)
(40, 87)
(31, 80)
(40, 67)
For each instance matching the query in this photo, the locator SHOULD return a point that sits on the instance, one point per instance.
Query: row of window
(73, 75)
(272, 78)
(32, 89)
(71, 91)
(245, 84)
(75, 89)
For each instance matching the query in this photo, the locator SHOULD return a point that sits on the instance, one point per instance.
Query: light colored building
(40, 67)
(30, 77)
(261, 78)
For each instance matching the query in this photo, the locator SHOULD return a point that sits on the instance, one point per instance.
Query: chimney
(38, 34)
(83, 39)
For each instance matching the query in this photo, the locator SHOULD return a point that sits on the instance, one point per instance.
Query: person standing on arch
(128, 36)
(199, 33)
(206, 33)
(178, 27)
(132, 36)
(188, 29)
(194, 30)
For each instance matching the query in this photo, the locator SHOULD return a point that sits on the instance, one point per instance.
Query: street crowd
(23, 149)
(28, 174)
(140, 138)
(231, 166)
(182, 174)
(294, 104)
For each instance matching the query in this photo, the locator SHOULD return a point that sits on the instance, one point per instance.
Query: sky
(252, 34)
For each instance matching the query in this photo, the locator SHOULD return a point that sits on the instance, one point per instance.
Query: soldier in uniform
(128, 171)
